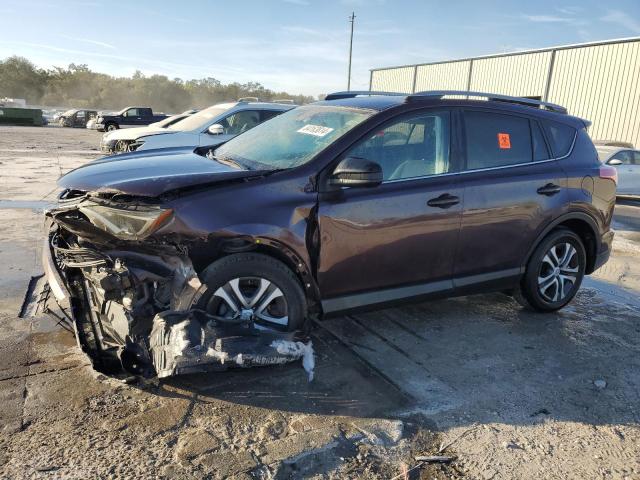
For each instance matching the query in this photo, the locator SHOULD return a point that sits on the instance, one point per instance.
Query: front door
(511, 188)
(628, 171)
(397, 239)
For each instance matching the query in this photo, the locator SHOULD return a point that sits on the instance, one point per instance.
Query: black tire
(545, 287)
(247, 266)
(110, 127)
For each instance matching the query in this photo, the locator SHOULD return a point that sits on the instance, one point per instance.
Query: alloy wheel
(558, 273)
(250, 298)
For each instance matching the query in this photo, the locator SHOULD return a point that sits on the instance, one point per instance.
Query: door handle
(444, 201)
(549, 189)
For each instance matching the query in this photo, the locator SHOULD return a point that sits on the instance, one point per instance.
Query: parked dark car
(176, 262)
(128, 117)
(76, 118)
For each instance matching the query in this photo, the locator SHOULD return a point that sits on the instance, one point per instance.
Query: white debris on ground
(297, 349)
(221, 356)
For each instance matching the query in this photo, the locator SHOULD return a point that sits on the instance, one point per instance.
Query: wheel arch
(582, 225)
(276, 250)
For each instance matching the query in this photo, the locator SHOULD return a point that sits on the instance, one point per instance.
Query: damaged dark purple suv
(176, 262)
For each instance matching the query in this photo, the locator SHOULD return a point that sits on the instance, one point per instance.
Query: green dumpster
(21, 116)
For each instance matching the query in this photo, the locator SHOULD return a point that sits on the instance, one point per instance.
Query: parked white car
(627, 162)
(119, 141)
(209, 127)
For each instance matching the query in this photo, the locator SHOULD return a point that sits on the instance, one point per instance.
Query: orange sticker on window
(504, 140)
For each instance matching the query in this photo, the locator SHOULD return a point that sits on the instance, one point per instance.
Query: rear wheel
(252, 286)
(554, 272)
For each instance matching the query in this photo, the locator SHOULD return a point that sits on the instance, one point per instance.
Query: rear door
(511, 188)
(397, 239)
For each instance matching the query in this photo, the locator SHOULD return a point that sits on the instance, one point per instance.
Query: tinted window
(540, 150)
(561, 137)
(267, 114)
(636, 157)
(416, 146)
(494, 140)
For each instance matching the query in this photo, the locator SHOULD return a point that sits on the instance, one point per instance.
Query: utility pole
(351, 19)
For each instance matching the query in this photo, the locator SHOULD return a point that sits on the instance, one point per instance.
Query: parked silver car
(211, 126)
(627, 162)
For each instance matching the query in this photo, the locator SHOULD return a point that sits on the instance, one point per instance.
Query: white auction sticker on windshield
(315, 130)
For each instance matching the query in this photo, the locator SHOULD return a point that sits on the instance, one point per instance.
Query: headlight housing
(134, 223)
(135, 145)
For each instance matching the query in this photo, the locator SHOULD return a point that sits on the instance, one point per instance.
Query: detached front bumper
(121, 332)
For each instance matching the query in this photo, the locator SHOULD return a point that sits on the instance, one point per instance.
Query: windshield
(198, 120)
(293, 138)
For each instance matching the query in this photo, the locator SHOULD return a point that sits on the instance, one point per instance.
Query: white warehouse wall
(599, 81)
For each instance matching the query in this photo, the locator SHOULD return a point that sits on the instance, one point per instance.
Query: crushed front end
(129, 293)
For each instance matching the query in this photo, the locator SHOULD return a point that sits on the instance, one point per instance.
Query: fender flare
(588, 219)
(244, 243)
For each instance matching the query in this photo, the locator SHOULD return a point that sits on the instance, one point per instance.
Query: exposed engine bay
(130, 297)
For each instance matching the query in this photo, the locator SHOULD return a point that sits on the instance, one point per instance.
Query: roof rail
(355, 93)
(490, 96)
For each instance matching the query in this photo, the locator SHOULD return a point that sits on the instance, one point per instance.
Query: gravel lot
(510, 394)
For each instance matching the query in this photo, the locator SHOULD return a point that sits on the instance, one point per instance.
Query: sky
(298, 46)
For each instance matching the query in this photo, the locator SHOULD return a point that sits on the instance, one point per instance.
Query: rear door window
(495, 140)
(561, 137)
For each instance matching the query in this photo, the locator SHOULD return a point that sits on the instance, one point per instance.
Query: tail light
(607, 171)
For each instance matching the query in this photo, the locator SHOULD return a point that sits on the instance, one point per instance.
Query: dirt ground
(508, 393)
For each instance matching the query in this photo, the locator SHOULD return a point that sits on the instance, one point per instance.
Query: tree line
(78, 87)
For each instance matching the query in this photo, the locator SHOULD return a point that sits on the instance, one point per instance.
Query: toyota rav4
(177, 262)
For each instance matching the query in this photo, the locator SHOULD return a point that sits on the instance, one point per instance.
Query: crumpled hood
(149, 175)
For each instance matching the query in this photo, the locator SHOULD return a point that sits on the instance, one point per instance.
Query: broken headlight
(135, 223)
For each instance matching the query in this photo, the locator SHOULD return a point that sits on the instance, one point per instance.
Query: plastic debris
(298, 349)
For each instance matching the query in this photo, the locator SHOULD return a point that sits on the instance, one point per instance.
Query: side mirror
(614, 161)
(215, 129)
(356, 172)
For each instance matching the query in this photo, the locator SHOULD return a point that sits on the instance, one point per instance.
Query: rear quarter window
(560, 136)
(494, 140)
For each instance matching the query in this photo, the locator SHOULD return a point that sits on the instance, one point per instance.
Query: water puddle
(37, 205)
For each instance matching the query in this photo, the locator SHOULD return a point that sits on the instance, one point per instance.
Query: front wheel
(554, 272)
(111, 127)
(252, 286)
